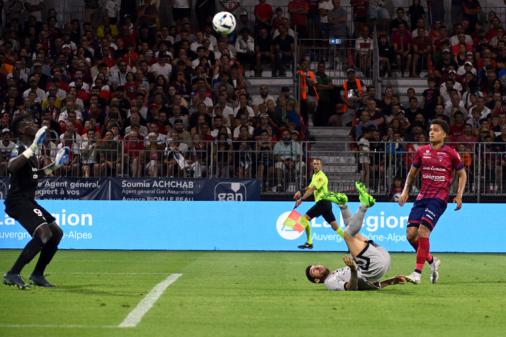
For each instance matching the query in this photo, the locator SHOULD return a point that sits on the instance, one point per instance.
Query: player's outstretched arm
(462, 176)
(352, 284)
(16, 163)
(410, 179)
(399, 279)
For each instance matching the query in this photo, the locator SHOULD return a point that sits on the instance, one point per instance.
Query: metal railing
(338, 54)
(388, 162)
(280, 167)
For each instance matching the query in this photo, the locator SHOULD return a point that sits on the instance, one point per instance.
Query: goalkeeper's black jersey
(23, 183)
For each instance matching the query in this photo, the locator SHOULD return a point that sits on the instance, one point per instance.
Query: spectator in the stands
(308, 91)
(245, 49)
(386, 55)
(219, 127)
(401, 41)
(175, 162)
(243, 153)
(353, 90)
(421, 52)
(325, 100)
(471, 9)
(364, 157)
(455, 104)
(480, 107)
(446, 87)
(6, 147)
(283, 47)
(134, 152)
(457, 124)
(263, 15)
(88, 153)
(243, 122)
(360, 12)
(413, 109)
(244, 107)
(263, 43)
(364, 48)
(224, 109)
(338, 19)
(324, 8)
(288, 160)
(363, 123)
(299, 10)
(440, 114)
(263, 96)
(399, 18)
(416, 12)
(430, 97)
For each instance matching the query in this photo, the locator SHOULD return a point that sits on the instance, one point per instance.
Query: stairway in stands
(339, 163)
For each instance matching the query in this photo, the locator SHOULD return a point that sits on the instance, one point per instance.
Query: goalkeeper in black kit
(20, 202)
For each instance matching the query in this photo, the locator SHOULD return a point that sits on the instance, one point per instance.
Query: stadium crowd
(136, 94)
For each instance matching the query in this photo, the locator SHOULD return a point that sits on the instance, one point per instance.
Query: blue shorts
(427, 210)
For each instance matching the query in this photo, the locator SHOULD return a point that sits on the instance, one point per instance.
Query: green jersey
(320, 183)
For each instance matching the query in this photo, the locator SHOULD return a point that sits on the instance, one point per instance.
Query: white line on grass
(51, 326)
(135, 316)
(105, 273)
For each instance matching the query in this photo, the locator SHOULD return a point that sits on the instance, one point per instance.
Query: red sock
(415, 246)
(422, 253)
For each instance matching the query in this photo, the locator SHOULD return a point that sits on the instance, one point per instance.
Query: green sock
(308, 234)
(307, 228)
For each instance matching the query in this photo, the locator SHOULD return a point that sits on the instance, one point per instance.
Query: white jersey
(372, 263)
(337, 279)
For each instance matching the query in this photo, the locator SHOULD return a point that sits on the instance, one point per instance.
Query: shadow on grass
(88, 289)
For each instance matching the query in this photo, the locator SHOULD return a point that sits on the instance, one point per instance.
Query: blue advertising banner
(63, 188)
(180, 225)
(168, 189)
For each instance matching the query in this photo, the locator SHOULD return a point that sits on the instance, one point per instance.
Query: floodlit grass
(250, 294)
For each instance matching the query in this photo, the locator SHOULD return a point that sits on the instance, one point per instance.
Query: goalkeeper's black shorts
(28, 213)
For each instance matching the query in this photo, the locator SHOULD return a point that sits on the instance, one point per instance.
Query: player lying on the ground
(348, 278)
(369, 261)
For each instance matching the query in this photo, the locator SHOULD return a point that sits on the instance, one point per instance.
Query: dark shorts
(28, 213)
(427, 210)
(322, 208)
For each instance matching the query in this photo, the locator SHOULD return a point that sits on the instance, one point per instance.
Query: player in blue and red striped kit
(436, 163)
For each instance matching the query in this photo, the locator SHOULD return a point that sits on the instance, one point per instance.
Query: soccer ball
(224, 23)
(397, 196)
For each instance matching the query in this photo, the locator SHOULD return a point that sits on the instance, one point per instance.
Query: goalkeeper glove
(37, 140)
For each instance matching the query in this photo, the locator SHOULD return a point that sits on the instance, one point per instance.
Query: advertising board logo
(284, 232)
(230, 191)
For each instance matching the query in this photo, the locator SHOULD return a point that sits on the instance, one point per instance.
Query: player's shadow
(88, 289)
(396, 292)
(479, 282)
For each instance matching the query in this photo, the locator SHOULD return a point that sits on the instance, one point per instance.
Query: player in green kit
(322, 207)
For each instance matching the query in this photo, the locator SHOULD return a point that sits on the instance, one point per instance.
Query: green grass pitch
(250, 294)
